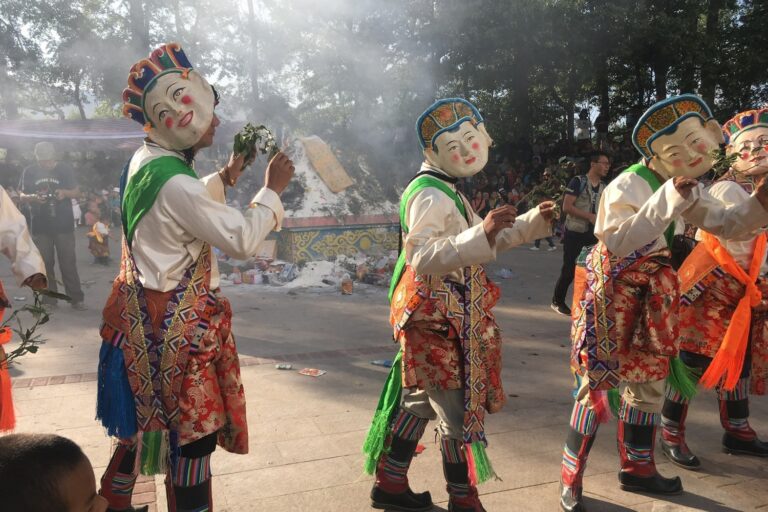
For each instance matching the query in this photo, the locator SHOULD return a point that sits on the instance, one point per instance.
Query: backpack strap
(420, 182)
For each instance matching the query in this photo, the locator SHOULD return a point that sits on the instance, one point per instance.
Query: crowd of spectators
(516, 168)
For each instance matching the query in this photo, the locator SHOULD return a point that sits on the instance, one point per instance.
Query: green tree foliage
(357, 73)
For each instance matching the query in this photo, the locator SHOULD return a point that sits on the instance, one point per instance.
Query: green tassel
(482, 464)
(682, 378)
(155, 451)
(614, 401)
(389, 401)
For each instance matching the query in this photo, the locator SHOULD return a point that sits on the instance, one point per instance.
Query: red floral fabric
(212, 396)
(704, 321)
(645, 304)
(432, 357)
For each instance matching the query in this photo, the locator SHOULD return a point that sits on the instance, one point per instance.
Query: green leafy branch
(551, 187)
(254, 140)
(723, 163)
(29, 339)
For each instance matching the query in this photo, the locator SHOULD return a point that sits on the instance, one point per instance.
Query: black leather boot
(462, 494)
(576, 449)
(387, 497)
(735, 446)
(641, 475)
(570, 499)
(739, 437)
(673, 445)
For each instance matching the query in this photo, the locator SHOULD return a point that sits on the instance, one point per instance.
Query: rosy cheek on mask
(744, 155)
(677, 164)
(701, 148)
(455, 157)
(168, 123)
(186, 100)
(475, 146)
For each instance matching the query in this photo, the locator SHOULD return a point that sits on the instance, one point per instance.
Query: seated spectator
(494, 201)
(46, 473)
(478, 203)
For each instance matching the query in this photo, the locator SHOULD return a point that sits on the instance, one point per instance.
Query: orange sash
(729, 360)
(7, 415)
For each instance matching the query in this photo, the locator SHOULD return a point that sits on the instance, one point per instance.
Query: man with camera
(48, 188)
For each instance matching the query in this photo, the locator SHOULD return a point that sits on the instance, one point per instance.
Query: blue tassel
(115, 406)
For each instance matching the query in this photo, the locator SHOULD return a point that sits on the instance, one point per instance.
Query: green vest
(419, 183)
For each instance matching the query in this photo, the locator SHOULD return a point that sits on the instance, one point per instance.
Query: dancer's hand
(37, 282)
(547, 209)
(498, 219)
(234, 168)
(684, 185)
(279, 172)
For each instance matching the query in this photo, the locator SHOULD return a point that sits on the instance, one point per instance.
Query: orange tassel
(7, 414)
(727, 364)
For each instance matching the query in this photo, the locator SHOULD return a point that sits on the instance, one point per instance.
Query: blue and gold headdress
(444, 116)
(663, 117)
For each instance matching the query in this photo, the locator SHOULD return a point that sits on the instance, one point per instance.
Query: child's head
(44, 472)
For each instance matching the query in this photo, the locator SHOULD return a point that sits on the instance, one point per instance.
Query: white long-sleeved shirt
(731, 194)
(631, 215)
(187, 213)
(441, 242)
(16, 242)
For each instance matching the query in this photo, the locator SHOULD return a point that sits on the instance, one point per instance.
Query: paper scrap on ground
(312, 372)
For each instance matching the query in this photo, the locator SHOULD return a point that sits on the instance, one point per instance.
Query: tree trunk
(640, 83)
(708, 70)
(139, 26)
(660, 78)
(8, 103)
(78, 96)
(690, 58)
(522, 95)
(253, 67)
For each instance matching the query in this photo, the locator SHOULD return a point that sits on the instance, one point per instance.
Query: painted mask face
(179, 108)
(462, 152)
(752, 147)
(686, 152)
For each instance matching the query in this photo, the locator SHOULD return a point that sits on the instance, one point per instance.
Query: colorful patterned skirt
(211, 398)
(641, 324)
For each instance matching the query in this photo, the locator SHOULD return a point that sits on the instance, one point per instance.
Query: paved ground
(306, 432)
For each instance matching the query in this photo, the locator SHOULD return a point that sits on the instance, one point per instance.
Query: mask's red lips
(696, 162)
(186, 119)
(470, 160)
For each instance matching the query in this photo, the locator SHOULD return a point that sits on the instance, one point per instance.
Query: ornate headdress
(744, 121)
(143, 77)
(444, 116)
(663, 117)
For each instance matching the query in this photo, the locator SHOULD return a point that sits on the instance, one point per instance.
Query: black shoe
(560, 308)
(680, 455)
(735, 446)
(570, 499)
(407, 501)
(655, 484)
(145, 508)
